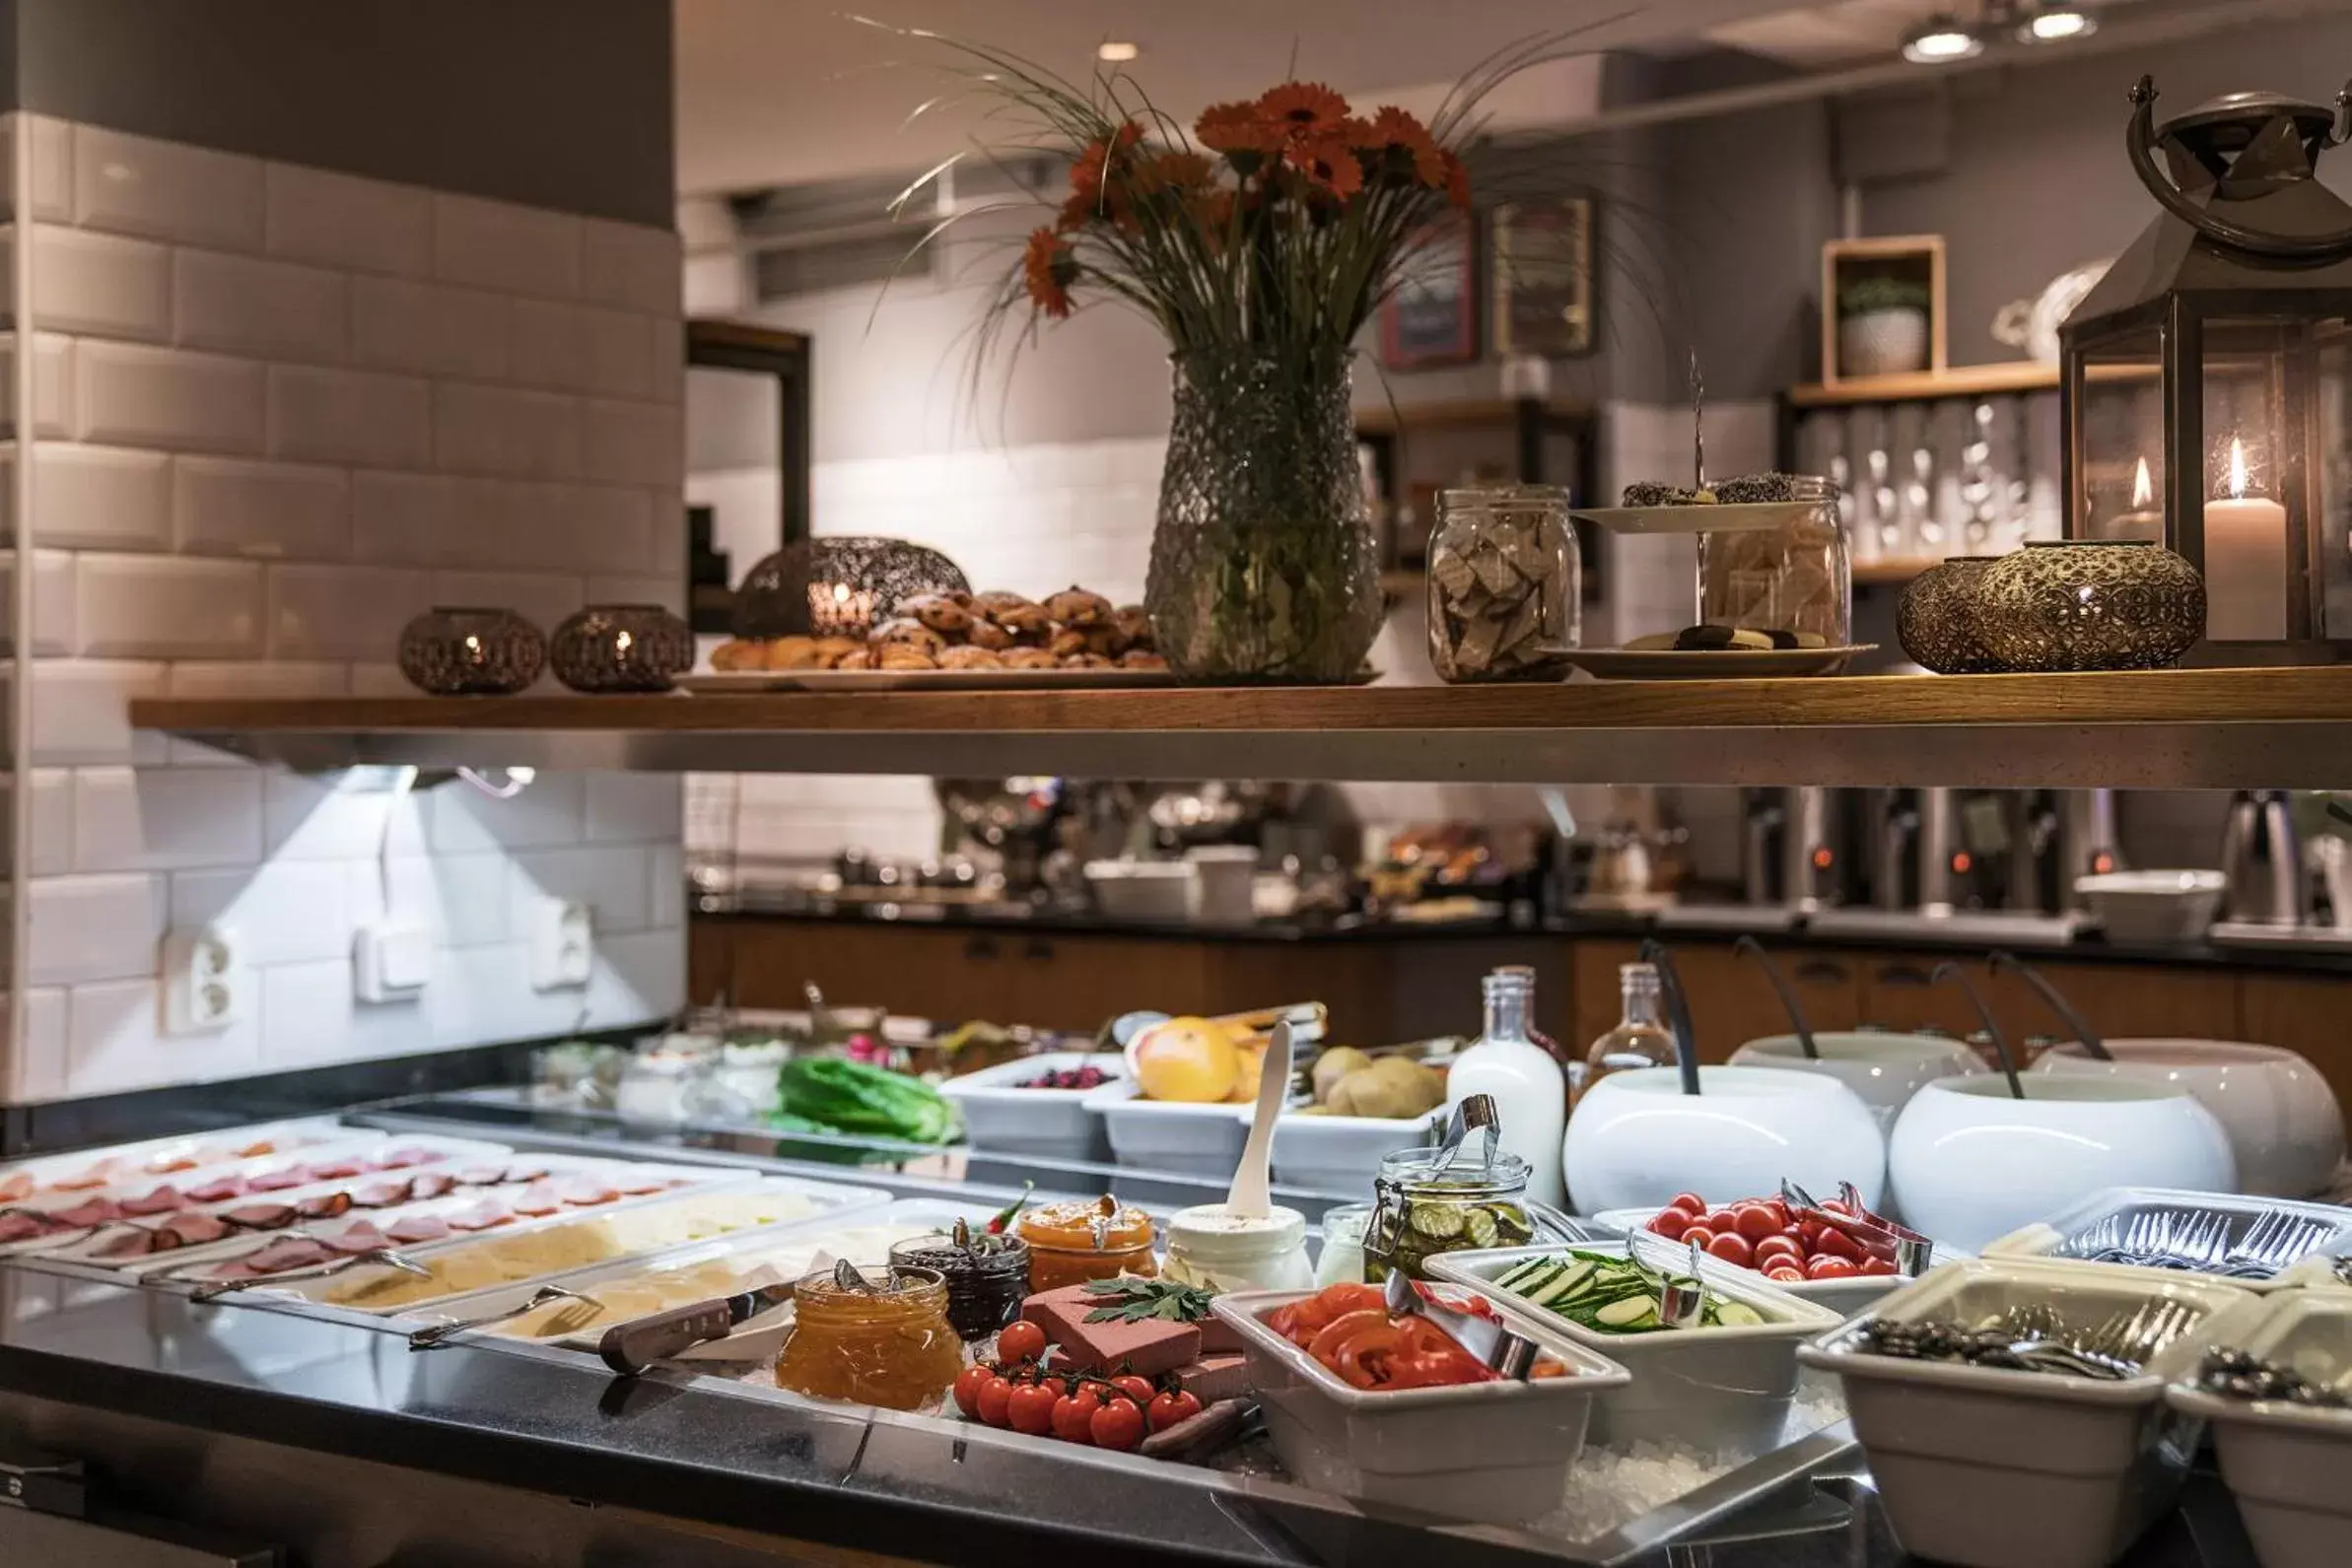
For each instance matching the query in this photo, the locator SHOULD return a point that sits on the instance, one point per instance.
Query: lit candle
(2246, 562)
(2143, 521)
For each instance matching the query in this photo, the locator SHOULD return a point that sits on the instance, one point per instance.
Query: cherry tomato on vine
(1134, 1388)
(968, 1384)
(1074, 1416)
(1031, 1408)
(993, 1400)
(1167, 1409)
(1020, 1342)
(1118, 1424)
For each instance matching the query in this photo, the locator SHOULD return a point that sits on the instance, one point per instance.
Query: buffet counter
(318, 1429)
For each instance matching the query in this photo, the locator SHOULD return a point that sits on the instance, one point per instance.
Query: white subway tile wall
(281, 410)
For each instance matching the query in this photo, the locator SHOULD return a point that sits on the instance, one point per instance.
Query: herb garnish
(1129, 1300)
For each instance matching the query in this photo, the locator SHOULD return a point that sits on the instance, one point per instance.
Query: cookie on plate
(901, 657)
(937, 611)
(831, 650)
(909, 633)
(969, 658)
(793, 653)
(1076, 606)
(1028, 658)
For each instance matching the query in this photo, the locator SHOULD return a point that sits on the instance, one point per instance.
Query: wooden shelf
(2156, 729)
(1964, 380)
(1381, 420)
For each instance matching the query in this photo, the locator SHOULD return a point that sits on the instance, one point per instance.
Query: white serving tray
(1340, 1154)
(201, 1263)
(1708, 1387)
(1842, 1296)
(1048, 1123)
(825, 1196)
(2041, 1239)
(1187, 1139)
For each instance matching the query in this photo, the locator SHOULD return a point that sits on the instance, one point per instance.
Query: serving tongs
(441, 1333)
(1681, 1302)
(1911, 1254)
(1510, 1355)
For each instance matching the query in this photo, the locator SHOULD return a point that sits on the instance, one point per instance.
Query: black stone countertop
(711, 1449)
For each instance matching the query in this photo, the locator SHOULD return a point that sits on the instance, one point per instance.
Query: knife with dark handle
(629, 1348)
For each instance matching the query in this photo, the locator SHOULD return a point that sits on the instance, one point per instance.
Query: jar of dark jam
(988, 1277)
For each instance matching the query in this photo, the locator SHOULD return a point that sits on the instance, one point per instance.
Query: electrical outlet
(206, 985)
(563, 945)
(390, 961)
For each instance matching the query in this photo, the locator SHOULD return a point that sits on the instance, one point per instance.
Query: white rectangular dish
(2118, 1207)
(1845, 1297)
(1492, 1451)
(551, 1189)
(1712, 1389)
(92, 1169)
(566, 1244)
(288, 1176)
(1050, 1124)
(1993, 1468)
(1340, 1154)
(2286, 1464)
(1170, 1135)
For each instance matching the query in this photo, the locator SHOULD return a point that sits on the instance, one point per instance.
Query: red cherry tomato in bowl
(1672, 1223)
(1117, 1425)
(1167, 1409)
(1698, 1234)
(1031, 1408)
(1838, 1244)
(1722, 1221)
(1732, 1248)
(1785, 1273)
(1074, 1416)
(1690, 1203)
(1020, 1342)
(1878, 1265)
(1829, 1267)
(1778, 1246)
(1755, 1222)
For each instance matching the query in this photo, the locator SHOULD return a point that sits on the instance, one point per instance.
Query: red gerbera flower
(1238, 128)
(1049, 266)
(1394, 128)
(1330, 161)
(1303, 108)
(1099, 158)
(1457, 179)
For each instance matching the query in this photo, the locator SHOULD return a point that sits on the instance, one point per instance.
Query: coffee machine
(1793, 848)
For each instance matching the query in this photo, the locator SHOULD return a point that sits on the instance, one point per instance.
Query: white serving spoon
(1251, 1195)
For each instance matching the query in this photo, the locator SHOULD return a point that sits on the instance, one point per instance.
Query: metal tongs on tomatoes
(1508, 1355)
(1351, 1332)
(1911, 1254)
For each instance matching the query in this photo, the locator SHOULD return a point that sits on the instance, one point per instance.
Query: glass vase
(1263, 566)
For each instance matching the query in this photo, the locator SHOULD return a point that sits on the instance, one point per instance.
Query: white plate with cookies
(961, 641)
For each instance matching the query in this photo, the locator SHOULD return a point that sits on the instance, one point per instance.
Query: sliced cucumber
(1526, 1276)
(1633, 1312)
(1737, 1315)
(1573, 1280)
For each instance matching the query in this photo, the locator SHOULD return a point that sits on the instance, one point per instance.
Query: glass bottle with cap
(1640, 1038)
(1507, 1064)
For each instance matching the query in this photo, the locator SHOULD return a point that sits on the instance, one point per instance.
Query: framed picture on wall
(1882, 308)
(1433, 318)
(1540, 270)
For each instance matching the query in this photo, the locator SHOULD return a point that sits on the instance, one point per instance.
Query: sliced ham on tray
(195, 1230)
(540, 1198)
(418, 1229)
(24, 1224)
(361, 1236)
(279, 1179)
(381, 1194)
(284, 1253)
(638, 1183)
(430, 1184)
(340, 1170)
(488, 1214)
(218, 1189)
(402, 1159)
(88, 1214)
(587, 1191)
(261, 1216)
(479, 1175)
(17, 1186)
(327, 1206)
(159, 1201)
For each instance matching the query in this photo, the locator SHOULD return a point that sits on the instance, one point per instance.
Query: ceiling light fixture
(1117, 52)
(1939, 41)
(2055, 22)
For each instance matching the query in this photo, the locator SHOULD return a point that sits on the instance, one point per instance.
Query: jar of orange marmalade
(1074, 1241)
(888, 1346)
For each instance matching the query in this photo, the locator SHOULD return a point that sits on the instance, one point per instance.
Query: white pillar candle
(2246, 562)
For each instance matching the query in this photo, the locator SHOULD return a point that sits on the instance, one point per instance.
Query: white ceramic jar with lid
(1214, 1248)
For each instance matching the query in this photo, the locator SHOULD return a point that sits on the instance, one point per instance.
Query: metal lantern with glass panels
(2207, 390)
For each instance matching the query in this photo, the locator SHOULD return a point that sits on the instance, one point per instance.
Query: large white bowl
(2153, 907)
(2285, 1128)
(1968, 1162)
(1636, 1140)
(1884, 1069)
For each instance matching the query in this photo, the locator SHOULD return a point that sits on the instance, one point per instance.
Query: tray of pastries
(1074, 637)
